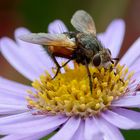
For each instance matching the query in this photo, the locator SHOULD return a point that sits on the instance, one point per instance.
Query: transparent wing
(55, 40)
(83, 22)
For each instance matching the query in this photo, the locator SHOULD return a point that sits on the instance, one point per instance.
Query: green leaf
(47, 137)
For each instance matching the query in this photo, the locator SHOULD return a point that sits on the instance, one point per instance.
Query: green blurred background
(37, 14)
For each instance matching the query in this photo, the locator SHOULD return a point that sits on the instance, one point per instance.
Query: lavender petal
(115, 31)
(127, 101)
(15, 88)
(19, 118)
(110, 131)
(133, 51)
(79, 135)
(18, 59)
(13, 93)
(91, 130)
(120, 120)
(68, 130)
(57, 27)
(29, 127)
(131, 115)
(34, 136)
(12, 109)
(12, 137)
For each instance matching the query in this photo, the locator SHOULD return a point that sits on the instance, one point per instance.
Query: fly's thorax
(87, 47)
(88, 41)
(81, 54)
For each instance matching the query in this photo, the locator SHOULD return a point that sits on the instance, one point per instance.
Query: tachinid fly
(81, 45)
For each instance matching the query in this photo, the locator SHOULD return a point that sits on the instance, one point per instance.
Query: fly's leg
(89, 76)
(54, 60)
(111, 68)
(66, 62)
(58, 66)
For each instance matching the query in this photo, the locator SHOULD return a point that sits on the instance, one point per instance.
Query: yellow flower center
(69, 93)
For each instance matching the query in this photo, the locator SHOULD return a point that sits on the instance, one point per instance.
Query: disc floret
(69, 93)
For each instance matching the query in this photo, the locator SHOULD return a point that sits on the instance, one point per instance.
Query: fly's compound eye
(96, 60)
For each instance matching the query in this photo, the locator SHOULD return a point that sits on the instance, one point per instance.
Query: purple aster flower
(65, 105)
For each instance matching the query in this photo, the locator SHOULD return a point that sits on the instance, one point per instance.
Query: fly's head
(102, 58)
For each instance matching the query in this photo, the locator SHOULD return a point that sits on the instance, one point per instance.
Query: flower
(65, 105)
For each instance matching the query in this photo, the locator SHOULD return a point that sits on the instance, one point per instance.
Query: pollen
(69, 93)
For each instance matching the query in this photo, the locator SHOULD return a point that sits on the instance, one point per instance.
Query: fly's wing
(58, 44)
(49, 39)
(83, 22)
